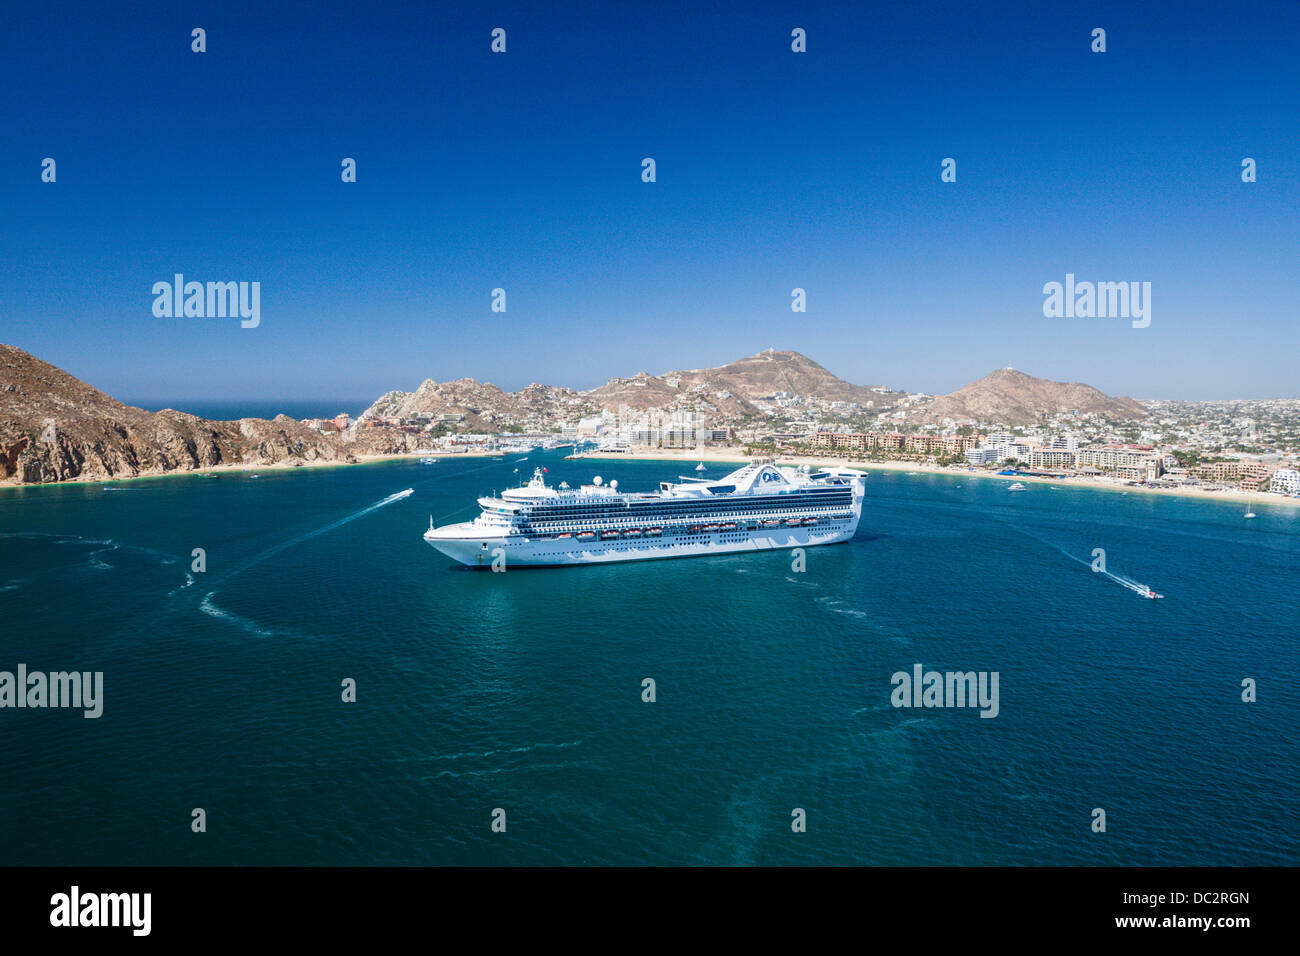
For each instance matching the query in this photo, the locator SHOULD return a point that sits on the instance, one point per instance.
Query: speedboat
(1017, 486)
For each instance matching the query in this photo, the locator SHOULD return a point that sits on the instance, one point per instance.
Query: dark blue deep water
(523, 690)
(227, 411)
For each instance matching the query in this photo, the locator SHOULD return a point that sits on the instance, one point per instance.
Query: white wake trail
(284, 546)
(252, 627)
(1134, 586)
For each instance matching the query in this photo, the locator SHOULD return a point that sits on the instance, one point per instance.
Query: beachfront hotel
(1135, 463)
(1244, 471)
(1285, 481)
(1051, 459)
(894, 441)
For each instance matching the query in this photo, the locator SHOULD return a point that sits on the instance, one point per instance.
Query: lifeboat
(586, 535)
(654, 532)
(808, 521)
(727, 526)
(771, 522)
(710, 527)
(565, 534)
(608, 535)
(632, 533)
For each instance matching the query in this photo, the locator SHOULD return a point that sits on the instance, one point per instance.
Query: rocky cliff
(55, 427)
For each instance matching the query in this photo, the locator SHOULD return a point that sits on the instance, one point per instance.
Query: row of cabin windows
(784, 506)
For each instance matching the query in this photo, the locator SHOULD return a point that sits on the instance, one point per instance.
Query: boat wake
(207, 607)
(285, 545)
(833, 605)
(252, 627)
(1137, 587)
(189, 583)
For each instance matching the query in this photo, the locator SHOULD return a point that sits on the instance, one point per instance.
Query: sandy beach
(721, 455)
(733, 455)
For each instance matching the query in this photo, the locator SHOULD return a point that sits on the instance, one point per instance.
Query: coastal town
(1008, 424)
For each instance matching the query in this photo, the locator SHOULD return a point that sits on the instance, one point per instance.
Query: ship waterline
(758, 507)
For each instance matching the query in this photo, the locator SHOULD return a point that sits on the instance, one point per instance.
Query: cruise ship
(755, 508)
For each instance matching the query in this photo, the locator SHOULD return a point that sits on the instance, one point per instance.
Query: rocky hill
(481, 406)
(1014, 398)
(763, 375)
(731, 391)
(738, 387)
(643, 390)
(55, 427)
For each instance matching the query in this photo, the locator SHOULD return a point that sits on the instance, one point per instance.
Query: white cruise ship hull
(519, 550)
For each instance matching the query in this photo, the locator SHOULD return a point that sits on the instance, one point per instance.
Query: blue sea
(522, 691)
(228, 411)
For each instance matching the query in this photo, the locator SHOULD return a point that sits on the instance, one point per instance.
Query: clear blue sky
(775, 170)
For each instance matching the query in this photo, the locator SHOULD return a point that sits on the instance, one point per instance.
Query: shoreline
(233, 468)
(717, 455)
(1230, 496)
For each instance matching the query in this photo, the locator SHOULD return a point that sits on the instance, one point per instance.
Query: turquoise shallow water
(523, 690)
